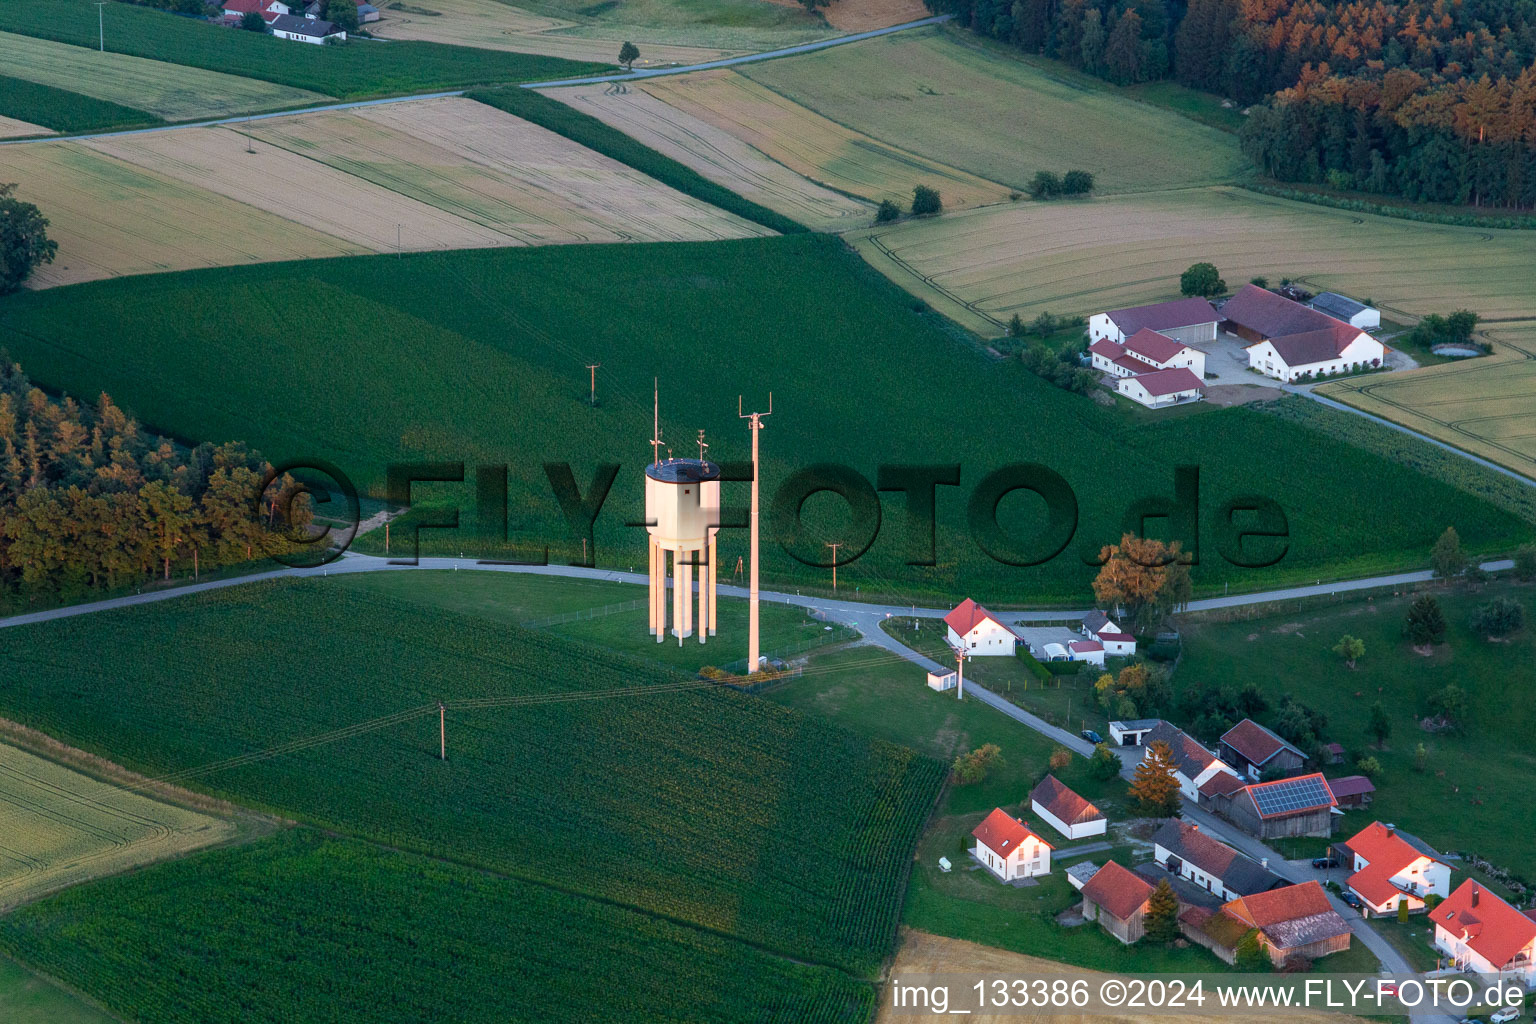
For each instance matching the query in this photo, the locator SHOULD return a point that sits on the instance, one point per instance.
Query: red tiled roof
(1273, 316)
(1062, 803)
(1117, 890)
(1135, 365)
(968, 615)
(1086, 646)
(1002, 833)
(1351, 785)
(1221, 783)
(1124, 638)
(1157, 347)
(1255, 742)
(1169, 382)
(1111, 350)
(1265, 909)
(1164, 316)
(1381, 845)
(1374, 883)
(1318, 346)
(250, 7)
(1493, 928)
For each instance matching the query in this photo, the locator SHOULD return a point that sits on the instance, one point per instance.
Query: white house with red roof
(268, 9)
(1090, 651)
(1159, 388)
(1289, 341)
(978, 632)
(1009, 848)
(1483, 934)
(1388, 870)
(1101, 629)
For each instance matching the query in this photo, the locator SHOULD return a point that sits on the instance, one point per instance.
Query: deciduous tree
(24, 241)
(1350, 648)
(1202, 279)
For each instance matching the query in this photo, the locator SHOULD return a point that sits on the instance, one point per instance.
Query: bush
(1104, 764)
(1044, 185)
(1498, 618)
(926, 202)
(888, 212)
(1525, 563)
(1369, 767)
(1076, 183)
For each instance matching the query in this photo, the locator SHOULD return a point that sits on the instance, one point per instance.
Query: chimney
(1264, 863)
(1475, 894)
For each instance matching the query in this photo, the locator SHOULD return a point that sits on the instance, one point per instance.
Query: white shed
(1342, 307)
(942, 681)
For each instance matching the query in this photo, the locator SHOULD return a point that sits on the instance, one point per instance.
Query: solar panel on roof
(1290, 795)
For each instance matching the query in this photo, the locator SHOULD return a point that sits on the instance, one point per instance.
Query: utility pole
(397, 240)
(386, 536)
(960, 681)
(442, 732)
(592, 397)
(101, 24)
(756, 423)
(834, 546)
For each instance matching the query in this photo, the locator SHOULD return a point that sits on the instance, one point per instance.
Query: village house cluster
(300, 23)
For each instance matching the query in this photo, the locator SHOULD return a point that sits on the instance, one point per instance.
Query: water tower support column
(686, 579)
(714, 562)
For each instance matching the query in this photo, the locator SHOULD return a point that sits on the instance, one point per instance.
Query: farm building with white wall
(1342, 307)
(1188, 321)
(978, 632)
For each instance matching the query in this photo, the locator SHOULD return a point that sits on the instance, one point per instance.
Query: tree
(1153, 785)
(887, 212)
(1202, 279)
(1044, 185)
(24, 241)
(1143, 575)
(1162, 916)
(1250, 957)
(1420, 758)
(168, 514)
(1451, 704)
(1447, 559)
(1090, 55)
(1060, 758)
(1076, 183)
(1402, 911)
(1378, 727)
(1123, 50)
(1525, 563)
(1498, 618)
(1426, 623)
(1369, 767)
(973, 767)
(926, 201)
(1104, 764)
(628, 54)
(253, 22)
(1350, 648)
(342, 14)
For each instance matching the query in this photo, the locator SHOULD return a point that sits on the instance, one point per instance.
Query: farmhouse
(1342, 307)
(1302, 806)
(978, 632)
(1009, 848)
(1187, 321)
(1295, 921)
(1254, 750)
(1193, 765)
(1482, 933)
(1208, 863)
(305, 30)
(1065, 811)
(1162, 388)
(1352, 790)
(1143, 352)
(1289, 341)
(1117, 899)
(269, 10)
(1388, 870)
(1101, 628)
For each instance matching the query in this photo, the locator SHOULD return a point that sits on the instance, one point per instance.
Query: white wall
(1078, 831)
(1101, 326)
(1363, 350)
(986, 639)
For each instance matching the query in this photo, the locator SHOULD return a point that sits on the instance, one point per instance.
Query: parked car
(1506, 1015)
(1351, 900)
(1091, 737)
(1323, 863)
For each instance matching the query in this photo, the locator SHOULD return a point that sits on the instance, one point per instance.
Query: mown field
(167, 91)
(702, 806)
(944, 96)
(1486, 406)
(62, 827)
(733, 25)
(353, 71)
(983, 266)
(822, 150)
(1461, 801)
(27, 999)
(483, 354)
(340, 930)
(60, 110)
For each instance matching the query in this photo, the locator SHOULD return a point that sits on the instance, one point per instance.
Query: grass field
(1486, 406)
(60, 110)
(982, 266)
(27, 999)
(703, 806)
(495, 342)
(717, 155)
(938, 94)
(815, 147)
(168, 91)
(354, 71)
(303, 927)
(62, 827)
(112, 219)
(1461, 801)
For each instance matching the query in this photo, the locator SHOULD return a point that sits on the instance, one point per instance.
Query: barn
(1065, 811)
(1117, 899)
(1255, 750)
(1302, 806)
(1186, 321)
(1342, 307)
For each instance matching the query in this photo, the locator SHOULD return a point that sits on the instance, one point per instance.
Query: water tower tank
(682, 502)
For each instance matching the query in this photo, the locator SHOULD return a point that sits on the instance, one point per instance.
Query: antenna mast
(655, 422)
(756, 424)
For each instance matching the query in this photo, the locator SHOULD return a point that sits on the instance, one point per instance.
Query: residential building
(1158, 389)
(1352, 790)
(1289, 341)
(1065, 811)
(269, 10)
(978, 632)
(1293, 921)
(1188, 321)
(1193, 765)
(1342, 307)
(1117, 899)
(1300, 806)
(1009, 849)
(1101, 628)
(1253, 750)
(305, 30)
(1483, 934)
(1143, 352)
(1388, 870)
(1209, 863)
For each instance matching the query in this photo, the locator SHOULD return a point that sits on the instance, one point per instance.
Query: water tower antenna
(655, 422)
(756, 425)
(703, 448)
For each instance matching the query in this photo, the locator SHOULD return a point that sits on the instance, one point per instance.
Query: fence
(838, 634)
(588, 613)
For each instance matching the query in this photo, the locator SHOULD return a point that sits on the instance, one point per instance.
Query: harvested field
(112, 219)
(729, 25)
(717, 155)
(11, 128)
(502, 173)
(171, 91)
(493, 25)
(867, 15)
(1486, 405)
(61, 827)
(982, 266)
(1000, 116)
(811, 145)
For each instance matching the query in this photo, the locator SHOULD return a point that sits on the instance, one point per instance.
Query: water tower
(682, 513)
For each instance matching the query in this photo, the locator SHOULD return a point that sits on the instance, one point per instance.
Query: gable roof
(1256, 743)
(1493, 928)
(1189, 757)
(1381, 845)
(1062, 803)
(1284, 797)
(1117, 890)
(1157, 347)
(261, 7)
(1085, 646)
(1170, 381)
(1002, 833)
(1341, 306)
(303, 26)
(1314, 346)
(1351, 785)
(968, 615)
(1111, 350)
(1263, 909)
(1236, 872)
(1164, 316)
(1221, 784)
(1273, 316)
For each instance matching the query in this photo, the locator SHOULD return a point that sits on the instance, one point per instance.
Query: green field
(167, 91)
(1461, 801)
(707, 807)
(482, 356)
(350, 72)
(63, 110)
(27, 999)
(940, 94)
(305, 928)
